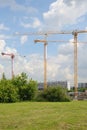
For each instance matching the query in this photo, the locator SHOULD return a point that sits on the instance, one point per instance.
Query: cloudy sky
(26, 16)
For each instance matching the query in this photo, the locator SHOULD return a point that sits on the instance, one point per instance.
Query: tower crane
(45, 47)
(45, 42)
(45, 60)
(75, 34)
(12, 58)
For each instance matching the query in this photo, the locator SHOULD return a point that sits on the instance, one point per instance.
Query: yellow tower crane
(45, 60)
(45, 42)
(75, 33)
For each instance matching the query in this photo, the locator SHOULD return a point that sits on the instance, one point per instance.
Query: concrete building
(83, 85)
(64, 84)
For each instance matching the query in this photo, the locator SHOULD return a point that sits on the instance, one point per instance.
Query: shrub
(28, 91)
(40, 96)
(17, 89)
(8, 93)
(26, 88)
(53, 94)
(20, 80)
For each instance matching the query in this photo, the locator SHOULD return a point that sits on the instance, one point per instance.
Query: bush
(20, 80)
(53, 94)
(8, 93)
(26, 88)
(40, 96)
(17, 89)
(28, 91)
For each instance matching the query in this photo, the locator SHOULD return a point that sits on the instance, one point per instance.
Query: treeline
(20, 88)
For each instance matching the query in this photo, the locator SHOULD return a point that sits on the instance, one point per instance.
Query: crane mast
(45, 63)
(75, 33)
(45, 59)
(75, 64)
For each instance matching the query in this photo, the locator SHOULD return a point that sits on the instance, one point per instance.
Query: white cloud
(26, 25)
(6, 49)
(33, 23)
(3, 27)
(2, 45)
(65, 12)
(36, 23)
(32, 65)
(24, 39)
(67, 48)
(4, 37)
(70, 2)
(59, 67)
(10, 50)
(1, 70)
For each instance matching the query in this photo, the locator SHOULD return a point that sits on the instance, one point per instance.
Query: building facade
(64, 84)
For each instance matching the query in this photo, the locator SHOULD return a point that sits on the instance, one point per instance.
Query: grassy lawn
(44, 116)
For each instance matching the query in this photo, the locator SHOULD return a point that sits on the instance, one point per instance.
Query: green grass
(44, 116)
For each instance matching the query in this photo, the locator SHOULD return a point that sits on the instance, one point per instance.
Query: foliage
(20, 88)
(20, 80)
(28, 91)
(53, 94)
(8, 93)
(17, 89)
(82, 89)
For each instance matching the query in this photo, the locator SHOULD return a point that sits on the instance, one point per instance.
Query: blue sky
(25, 16)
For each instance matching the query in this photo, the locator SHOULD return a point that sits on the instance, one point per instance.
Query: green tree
(28, 91)
(20, 80)
(17, 89)
(8, 93)
(82, 89)
(26, 88)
